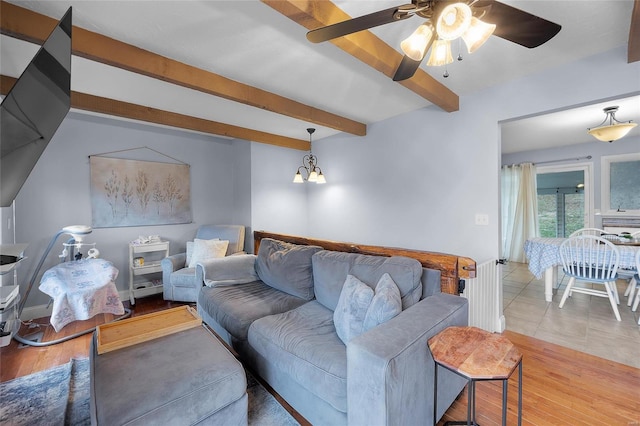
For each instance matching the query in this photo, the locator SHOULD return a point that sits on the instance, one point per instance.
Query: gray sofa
(279, 317)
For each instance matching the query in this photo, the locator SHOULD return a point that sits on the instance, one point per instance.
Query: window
(564, 198)
(561, 209)
(621, 185)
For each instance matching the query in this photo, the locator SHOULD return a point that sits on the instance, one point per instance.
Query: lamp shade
(611, 129)
(453, 21)
(298, 178)
(440, 53)
(477, 34)
(611, 133)
(417, 44)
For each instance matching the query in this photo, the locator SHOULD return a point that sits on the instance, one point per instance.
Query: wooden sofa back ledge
(452, 267)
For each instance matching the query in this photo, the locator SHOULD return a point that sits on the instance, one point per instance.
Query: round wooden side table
(476, 354)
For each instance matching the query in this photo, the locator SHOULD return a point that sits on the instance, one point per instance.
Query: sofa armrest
(390, 367)
(229, 270)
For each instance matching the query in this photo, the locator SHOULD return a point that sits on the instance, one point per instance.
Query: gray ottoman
(184, 378)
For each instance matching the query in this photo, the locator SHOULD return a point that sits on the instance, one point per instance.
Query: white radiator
(485, 297)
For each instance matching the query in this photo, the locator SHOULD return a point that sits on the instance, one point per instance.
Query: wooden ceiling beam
(633, 52)
(365, 46)
(87, 102)
(27, 25)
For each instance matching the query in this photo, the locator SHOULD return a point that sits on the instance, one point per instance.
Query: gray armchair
(182, 283)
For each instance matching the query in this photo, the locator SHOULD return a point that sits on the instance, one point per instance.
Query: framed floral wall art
(136, 193)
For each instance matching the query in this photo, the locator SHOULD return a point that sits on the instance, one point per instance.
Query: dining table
(543, 255)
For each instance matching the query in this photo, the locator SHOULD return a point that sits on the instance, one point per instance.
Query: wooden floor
(560, 386)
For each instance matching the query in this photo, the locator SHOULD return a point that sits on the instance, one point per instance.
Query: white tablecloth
(80, 290)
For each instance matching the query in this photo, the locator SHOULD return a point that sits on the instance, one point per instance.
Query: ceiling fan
(445, 20)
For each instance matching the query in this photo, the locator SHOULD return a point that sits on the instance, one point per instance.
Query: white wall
(56, 193)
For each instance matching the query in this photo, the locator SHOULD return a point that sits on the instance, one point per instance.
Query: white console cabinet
(146, 279)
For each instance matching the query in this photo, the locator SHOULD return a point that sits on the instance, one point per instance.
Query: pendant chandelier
(611, 129)
(310, 167)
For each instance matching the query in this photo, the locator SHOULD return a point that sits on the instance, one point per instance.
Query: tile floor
(585, 323)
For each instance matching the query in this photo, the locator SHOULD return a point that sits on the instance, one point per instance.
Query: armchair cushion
(207, 249)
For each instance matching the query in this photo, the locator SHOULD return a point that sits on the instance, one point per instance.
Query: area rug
(60, 396)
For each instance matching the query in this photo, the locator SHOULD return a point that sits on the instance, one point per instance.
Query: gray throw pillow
(286, 267)
(386, 303)
(348, 318)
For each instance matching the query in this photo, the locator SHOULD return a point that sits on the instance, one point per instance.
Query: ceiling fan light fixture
(477, 34)
(612, 131)
(440, 53)
(453, 21)
(416, 45)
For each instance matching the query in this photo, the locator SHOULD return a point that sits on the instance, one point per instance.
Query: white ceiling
(249, 42)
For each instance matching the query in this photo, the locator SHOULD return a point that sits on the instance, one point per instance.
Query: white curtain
(519, 209)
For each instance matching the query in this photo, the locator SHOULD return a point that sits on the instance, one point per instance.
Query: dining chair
(630, 274)
(636, 280)
(588, 231)
(594, 260)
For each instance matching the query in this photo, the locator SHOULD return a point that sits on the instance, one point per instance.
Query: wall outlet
(482, 219)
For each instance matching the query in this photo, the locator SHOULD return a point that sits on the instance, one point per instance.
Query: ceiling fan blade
(406, 69)
(356, 24)
(516, 25)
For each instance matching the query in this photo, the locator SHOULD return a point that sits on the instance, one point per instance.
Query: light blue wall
(56, 194)
(418, 180)
(279, 205)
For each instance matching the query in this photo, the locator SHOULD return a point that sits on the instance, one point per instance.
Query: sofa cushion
(330, 269)
(236, 307)
(291, 340)
(350, 312)
(386, 303)
(286, 267)
(207, 249)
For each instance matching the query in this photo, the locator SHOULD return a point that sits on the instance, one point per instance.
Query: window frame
(605, 185)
